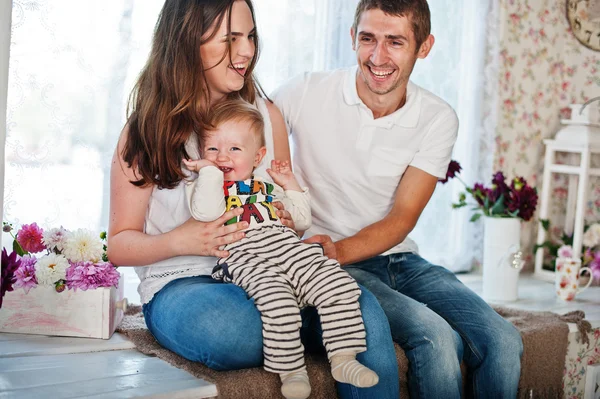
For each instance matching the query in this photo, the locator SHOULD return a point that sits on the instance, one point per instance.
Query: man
(371, 145)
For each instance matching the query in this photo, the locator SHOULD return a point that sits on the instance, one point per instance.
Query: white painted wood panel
(19, 345)
(114, 374)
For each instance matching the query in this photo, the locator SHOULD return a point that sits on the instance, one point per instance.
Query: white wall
(5, 19)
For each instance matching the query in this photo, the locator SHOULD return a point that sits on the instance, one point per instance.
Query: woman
(203, 52)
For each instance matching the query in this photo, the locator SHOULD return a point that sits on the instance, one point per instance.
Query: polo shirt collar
(407, 116)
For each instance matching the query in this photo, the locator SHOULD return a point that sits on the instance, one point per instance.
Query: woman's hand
(207, 239)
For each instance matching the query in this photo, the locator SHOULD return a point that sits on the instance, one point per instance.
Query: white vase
(502, 258)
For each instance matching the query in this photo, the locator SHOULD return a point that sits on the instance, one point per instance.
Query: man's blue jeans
(439, 322)
(217, 324)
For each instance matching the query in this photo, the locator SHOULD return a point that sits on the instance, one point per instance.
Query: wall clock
(584, 19)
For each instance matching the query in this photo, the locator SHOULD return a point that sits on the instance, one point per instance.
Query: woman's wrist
(172, 244)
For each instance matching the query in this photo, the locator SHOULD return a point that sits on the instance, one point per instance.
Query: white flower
(51, 268)
(82, 245)
(591, 237)
(55, 238)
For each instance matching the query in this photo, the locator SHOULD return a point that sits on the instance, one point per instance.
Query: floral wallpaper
(542, 69)
(579, 356)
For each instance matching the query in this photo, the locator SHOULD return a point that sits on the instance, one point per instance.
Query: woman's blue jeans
(216, 324)
(439, 322)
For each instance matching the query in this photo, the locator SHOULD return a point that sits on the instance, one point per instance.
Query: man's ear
(353, 37)
(260, 154)
(426, 47)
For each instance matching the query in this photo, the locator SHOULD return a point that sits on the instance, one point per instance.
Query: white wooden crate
(92, 313)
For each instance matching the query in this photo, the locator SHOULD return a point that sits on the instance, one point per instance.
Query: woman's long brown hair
(171, 97)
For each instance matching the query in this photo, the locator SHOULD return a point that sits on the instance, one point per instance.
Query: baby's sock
(295, 385)
(345, 368)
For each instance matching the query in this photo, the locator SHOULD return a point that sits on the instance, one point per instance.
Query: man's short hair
(417, 12)
(240, 111)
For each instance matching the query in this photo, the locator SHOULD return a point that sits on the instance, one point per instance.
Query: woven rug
(545, 340)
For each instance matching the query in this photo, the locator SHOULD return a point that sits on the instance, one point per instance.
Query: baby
(280, 272)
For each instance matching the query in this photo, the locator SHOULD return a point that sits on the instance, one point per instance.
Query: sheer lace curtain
(73, 63)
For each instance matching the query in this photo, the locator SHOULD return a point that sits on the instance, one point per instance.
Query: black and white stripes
(282, 275)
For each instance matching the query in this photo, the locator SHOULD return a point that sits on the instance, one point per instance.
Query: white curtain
(5, 27)
(454, 70)
(73, 63)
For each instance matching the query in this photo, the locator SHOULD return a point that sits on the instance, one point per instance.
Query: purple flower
(10, 263)
(453, 169)
(89, 275)
(499, 187)
(595, 266)
(30, 238)
(522, 199)
(25, 274)
(480, 193)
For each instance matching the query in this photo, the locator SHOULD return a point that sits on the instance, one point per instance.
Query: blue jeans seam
(465, 338)
(391, 275)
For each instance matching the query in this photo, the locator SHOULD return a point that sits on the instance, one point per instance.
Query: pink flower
(25, 274)
(30, 238)
(566, 251)
(88, 275)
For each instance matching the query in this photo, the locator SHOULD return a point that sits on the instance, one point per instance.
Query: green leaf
(545, 224)
(498, 208)
(566, 239)
(459, 205)
(475, 217)
(548, 245)
(17, 248)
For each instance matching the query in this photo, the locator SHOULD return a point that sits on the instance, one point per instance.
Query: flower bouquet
(503, 206)
(62, 283)
(500, 200)
(563, 248)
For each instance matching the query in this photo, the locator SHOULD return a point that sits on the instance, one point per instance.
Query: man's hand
(281, 173)
(327, 244)
(196, 165)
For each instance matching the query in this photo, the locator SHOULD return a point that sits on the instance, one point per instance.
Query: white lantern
(580, 137)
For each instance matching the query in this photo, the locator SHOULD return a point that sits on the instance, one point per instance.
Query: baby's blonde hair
(240, 111)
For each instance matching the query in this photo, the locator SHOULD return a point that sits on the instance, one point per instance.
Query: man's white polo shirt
(351, 162)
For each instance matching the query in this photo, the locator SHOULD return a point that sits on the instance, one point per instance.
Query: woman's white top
(168, 209)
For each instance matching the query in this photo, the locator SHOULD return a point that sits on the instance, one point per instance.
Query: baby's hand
(281, 172)
(196, 165)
